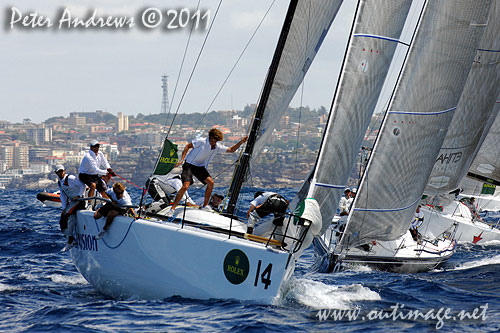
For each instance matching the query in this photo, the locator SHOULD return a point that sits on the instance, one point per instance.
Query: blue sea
(41, 290)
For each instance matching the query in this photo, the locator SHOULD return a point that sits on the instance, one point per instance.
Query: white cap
(347, 189)
(94, 143)
(59, 167)
(354, 190)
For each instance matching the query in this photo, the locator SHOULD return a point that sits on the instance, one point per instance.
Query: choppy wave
(74, 279)
(7, 288)
(317, 295)
(495, 260)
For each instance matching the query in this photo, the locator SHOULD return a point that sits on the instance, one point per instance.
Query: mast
(242, 168)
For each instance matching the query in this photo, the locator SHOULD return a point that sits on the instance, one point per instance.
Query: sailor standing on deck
(93, 166)
(70, 189)
(203, 151)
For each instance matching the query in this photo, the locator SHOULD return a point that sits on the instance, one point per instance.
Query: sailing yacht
(421, 108)
(470, 149)
(201, 254)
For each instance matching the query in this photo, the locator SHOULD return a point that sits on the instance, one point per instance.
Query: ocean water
(41, 290)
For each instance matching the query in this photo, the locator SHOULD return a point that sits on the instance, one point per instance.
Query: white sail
(472, 117)
(306, 24)
(378, 26)
(427, 93)
(486, 165)
(309, 26)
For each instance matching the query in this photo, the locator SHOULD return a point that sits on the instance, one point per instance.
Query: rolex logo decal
(236, 266)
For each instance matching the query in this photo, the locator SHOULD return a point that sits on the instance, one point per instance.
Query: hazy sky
(51, 72)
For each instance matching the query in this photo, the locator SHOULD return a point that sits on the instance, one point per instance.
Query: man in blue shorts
(203, 151)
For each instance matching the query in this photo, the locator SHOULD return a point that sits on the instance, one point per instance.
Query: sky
(49, 72)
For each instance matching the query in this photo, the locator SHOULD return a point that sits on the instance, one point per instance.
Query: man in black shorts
(204, 150)
(93, 166)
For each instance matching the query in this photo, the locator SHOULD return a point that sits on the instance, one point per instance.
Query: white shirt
(419, 219)
(125, 199)
(261, 199)
(344, 204)
(94, 165)
(74, 188)
(175, 183)
(202, 152)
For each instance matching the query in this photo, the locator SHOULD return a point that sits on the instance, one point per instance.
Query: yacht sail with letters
(201, 254)
(471, 123)
(418, 116)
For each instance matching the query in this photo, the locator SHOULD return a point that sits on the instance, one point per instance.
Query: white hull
(468, 230)
(158, 259)
(403, 255)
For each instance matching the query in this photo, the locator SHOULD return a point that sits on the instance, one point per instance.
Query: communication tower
(164, 85)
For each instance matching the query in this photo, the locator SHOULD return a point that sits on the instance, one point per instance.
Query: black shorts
(89, 179)
(189, 170)
(104, 210)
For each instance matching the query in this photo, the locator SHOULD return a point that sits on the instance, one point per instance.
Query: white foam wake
(481, 262)
(58, 278)
(6, 287)
(317, 295)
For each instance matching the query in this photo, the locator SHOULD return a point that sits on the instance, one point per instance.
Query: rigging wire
(302, 95)
(182, 64)
(194, 67)
(236, 63)
(185, 89)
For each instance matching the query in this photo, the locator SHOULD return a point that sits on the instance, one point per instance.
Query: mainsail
(378, 26)
(427, 93)
(486, 165)
(306, 25)
(472, 117)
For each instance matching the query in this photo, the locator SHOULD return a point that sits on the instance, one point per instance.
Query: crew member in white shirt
(263, 204)
(70, 189)
(93, 166)
(163, 187)
(344, 202)
(203, 151)
(417, 222)
(119, 198)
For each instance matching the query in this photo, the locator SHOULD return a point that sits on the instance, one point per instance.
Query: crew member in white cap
(93, 166)
(70, 189)
(351, 199)
(344, 202)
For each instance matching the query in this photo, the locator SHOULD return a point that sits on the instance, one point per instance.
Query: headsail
(378, 26)
(306, 25)
(427, 93)
(472, 117)
(486, 165)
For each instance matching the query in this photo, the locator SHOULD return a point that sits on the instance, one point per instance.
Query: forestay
(427, 93)
(472, 117)
(377, 29)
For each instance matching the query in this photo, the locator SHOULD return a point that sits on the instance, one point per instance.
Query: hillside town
(29, 151)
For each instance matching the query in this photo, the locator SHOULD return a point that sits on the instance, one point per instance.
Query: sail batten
(423, 105)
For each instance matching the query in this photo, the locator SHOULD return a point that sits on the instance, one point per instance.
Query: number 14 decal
(265, 277)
